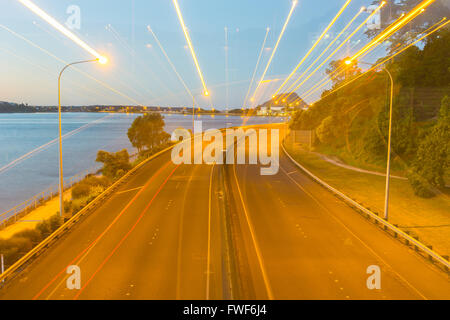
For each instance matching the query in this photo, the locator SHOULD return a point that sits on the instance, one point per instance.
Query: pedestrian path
(30, 221)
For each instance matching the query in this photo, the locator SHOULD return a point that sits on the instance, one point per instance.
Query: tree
(341, 71)
(114, 164)
(433, 153)
(325, 131)
(147, 131)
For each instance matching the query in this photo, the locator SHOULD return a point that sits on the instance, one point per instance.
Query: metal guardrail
(386, 225)
(69, 223)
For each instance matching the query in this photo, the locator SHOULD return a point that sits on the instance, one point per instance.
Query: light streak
(339, 47)
(310, 92)
(256, 67)
(170, 62)
(41, 13)
(387, 59)
(191, 48)
(65, 62)
(326, 49)
(294, 4)
(393, 28)
(314, 46)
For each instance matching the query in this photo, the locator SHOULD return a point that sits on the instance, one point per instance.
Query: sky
(138, 72)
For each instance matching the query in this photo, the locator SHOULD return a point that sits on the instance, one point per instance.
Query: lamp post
(388, 166)
(61, 177)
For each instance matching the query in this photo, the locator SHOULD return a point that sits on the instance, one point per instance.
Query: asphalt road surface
(226, 232)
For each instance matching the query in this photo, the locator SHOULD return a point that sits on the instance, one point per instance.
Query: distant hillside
(292, 102)
(9, 107)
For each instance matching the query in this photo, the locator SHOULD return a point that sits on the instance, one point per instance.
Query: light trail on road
(84, 252)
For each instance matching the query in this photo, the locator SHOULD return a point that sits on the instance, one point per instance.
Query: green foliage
(325, 132)
(114, 163)
(420, 185)
(433, 153)
(353, 121)
(86, 186)
(22, 242)
(147, 131)
(80, 190)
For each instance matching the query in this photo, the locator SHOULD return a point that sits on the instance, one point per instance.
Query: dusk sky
(138, 69)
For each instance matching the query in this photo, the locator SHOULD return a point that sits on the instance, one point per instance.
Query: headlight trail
(388, 58)
(50, 20)
(256, 68)
(294, 4)
(170, 62)
(393, 28)
(191, 48)
(73, 67)
(314, 46)
(338, 48)
(324, 51)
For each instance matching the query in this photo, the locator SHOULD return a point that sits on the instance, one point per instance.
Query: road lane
(222, 232)
(316, 247)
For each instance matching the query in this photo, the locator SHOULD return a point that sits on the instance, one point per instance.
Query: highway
(226, 232)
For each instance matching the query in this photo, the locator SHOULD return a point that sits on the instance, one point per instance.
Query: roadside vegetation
(352, 123)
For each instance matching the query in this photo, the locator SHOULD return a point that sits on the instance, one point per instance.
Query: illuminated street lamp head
(206, 93)
(348, 62)
(103, 60)
(58, 26)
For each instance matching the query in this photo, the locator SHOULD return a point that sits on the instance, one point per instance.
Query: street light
(101, 60)
(388, 166)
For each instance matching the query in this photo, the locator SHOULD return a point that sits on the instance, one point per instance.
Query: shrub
(33, 235)
(44, 228)
(14, 248)
(420, 185)
(113, 162)
(81, 190)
